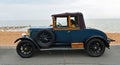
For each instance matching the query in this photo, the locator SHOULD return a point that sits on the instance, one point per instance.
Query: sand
(8, 38)
(114, 36)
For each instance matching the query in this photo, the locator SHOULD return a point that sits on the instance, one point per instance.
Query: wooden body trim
(64, 28)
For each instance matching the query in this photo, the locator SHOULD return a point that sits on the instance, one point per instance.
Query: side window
(61, 22)
(74, 21)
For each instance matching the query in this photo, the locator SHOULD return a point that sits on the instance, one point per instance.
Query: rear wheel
(25, 49)
(95, 47)
(45, 38)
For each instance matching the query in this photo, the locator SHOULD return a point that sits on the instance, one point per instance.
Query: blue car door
(76, 36)
(62, 36)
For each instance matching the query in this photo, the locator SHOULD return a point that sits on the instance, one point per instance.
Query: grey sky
(43, 9)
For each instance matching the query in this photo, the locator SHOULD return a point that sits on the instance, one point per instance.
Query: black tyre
(95, 47)
(25, 49)
(45, 38)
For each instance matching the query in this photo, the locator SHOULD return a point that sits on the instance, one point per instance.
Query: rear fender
(99, 37)
(28, 38)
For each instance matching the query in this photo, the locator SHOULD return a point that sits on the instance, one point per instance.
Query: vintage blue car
(68, 31)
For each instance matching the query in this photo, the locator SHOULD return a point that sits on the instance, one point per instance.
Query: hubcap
(95, 47)
(26, 48)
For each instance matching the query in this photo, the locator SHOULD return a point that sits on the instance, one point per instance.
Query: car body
(67, 31)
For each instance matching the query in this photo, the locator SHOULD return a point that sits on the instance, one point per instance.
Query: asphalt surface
(8, 56)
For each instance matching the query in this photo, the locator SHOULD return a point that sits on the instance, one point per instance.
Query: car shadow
(60, 53)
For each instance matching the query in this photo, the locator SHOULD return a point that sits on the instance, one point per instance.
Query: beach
(114, 36)
(8, 38)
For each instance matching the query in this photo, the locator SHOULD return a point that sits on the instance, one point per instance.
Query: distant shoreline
(25, 28)
(14, 28)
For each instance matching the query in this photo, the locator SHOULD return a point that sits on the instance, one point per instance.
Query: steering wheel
(59, 24)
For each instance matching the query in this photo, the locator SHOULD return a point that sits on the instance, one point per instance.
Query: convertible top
(78, 14)
(67, 14)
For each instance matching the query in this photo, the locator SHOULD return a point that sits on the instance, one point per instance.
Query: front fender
(25, 37)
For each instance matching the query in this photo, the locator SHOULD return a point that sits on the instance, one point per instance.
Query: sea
(105, 25)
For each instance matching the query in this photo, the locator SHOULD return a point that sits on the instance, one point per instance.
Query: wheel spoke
(21, 47)
(45, 37)
(26, 48)
(96, 47)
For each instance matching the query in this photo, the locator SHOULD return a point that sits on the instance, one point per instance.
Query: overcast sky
(43, 9)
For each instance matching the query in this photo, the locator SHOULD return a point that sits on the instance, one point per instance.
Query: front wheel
(95, 47)
(25, 49)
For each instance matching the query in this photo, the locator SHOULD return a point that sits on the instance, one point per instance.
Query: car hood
(41, 27)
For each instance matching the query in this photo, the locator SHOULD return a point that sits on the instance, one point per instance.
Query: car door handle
(68, 32)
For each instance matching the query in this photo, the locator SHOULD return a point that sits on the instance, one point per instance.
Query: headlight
(23, 34)
(28, 32)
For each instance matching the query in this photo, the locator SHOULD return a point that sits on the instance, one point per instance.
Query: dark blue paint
(77, 35)
(84, 34)
(35, 30)
(66, 37)
(62, 36)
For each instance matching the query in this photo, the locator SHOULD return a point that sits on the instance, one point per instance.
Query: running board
(61, 48)
(73, 46)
